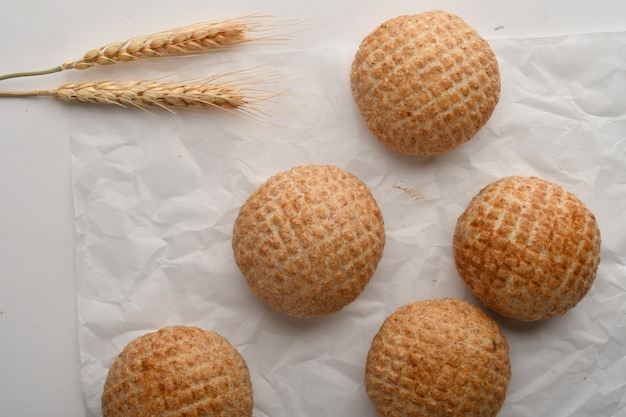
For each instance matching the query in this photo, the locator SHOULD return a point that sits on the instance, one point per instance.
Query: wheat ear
(166, 95)
(187, 40)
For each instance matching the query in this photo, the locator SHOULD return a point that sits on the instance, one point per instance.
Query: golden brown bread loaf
(527, 248)
(433, 358)
(178, 371)
(309, 239)
(425, 83)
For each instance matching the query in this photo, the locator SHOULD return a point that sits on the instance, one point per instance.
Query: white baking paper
(156, 197)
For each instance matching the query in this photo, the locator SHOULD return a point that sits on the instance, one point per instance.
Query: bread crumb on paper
(415, 193)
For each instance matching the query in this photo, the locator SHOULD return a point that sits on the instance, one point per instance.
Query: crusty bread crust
(309, 239)
(527, 248)
(178, 371)
(442, 357)
(425, 83)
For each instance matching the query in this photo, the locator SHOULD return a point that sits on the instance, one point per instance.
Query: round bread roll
(527, 248)
(178, 371)
(309, 239)
(442, 357)
(425, 83)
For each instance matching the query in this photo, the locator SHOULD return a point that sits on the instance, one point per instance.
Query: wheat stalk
(165, 95)
(187, 40)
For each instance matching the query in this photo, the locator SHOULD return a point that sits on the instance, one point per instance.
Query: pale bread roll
(437, 358)
(425, 83)
(527, 248)
(309, 239)
(178, 371)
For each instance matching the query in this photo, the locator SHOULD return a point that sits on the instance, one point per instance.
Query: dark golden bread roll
(425, 83)
(178, 371)
(437, 358)
(527, 248)
(309, 239)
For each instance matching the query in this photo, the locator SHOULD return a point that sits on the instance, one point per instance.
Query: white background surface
(39, 365)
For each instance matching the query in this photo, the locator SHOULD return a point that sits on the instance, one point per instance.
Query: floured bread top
(425, 83)
(527, 248)
(309, 239)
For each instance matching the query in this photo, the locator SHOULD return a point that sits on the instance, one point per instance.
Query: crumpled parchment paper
(156, 197)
